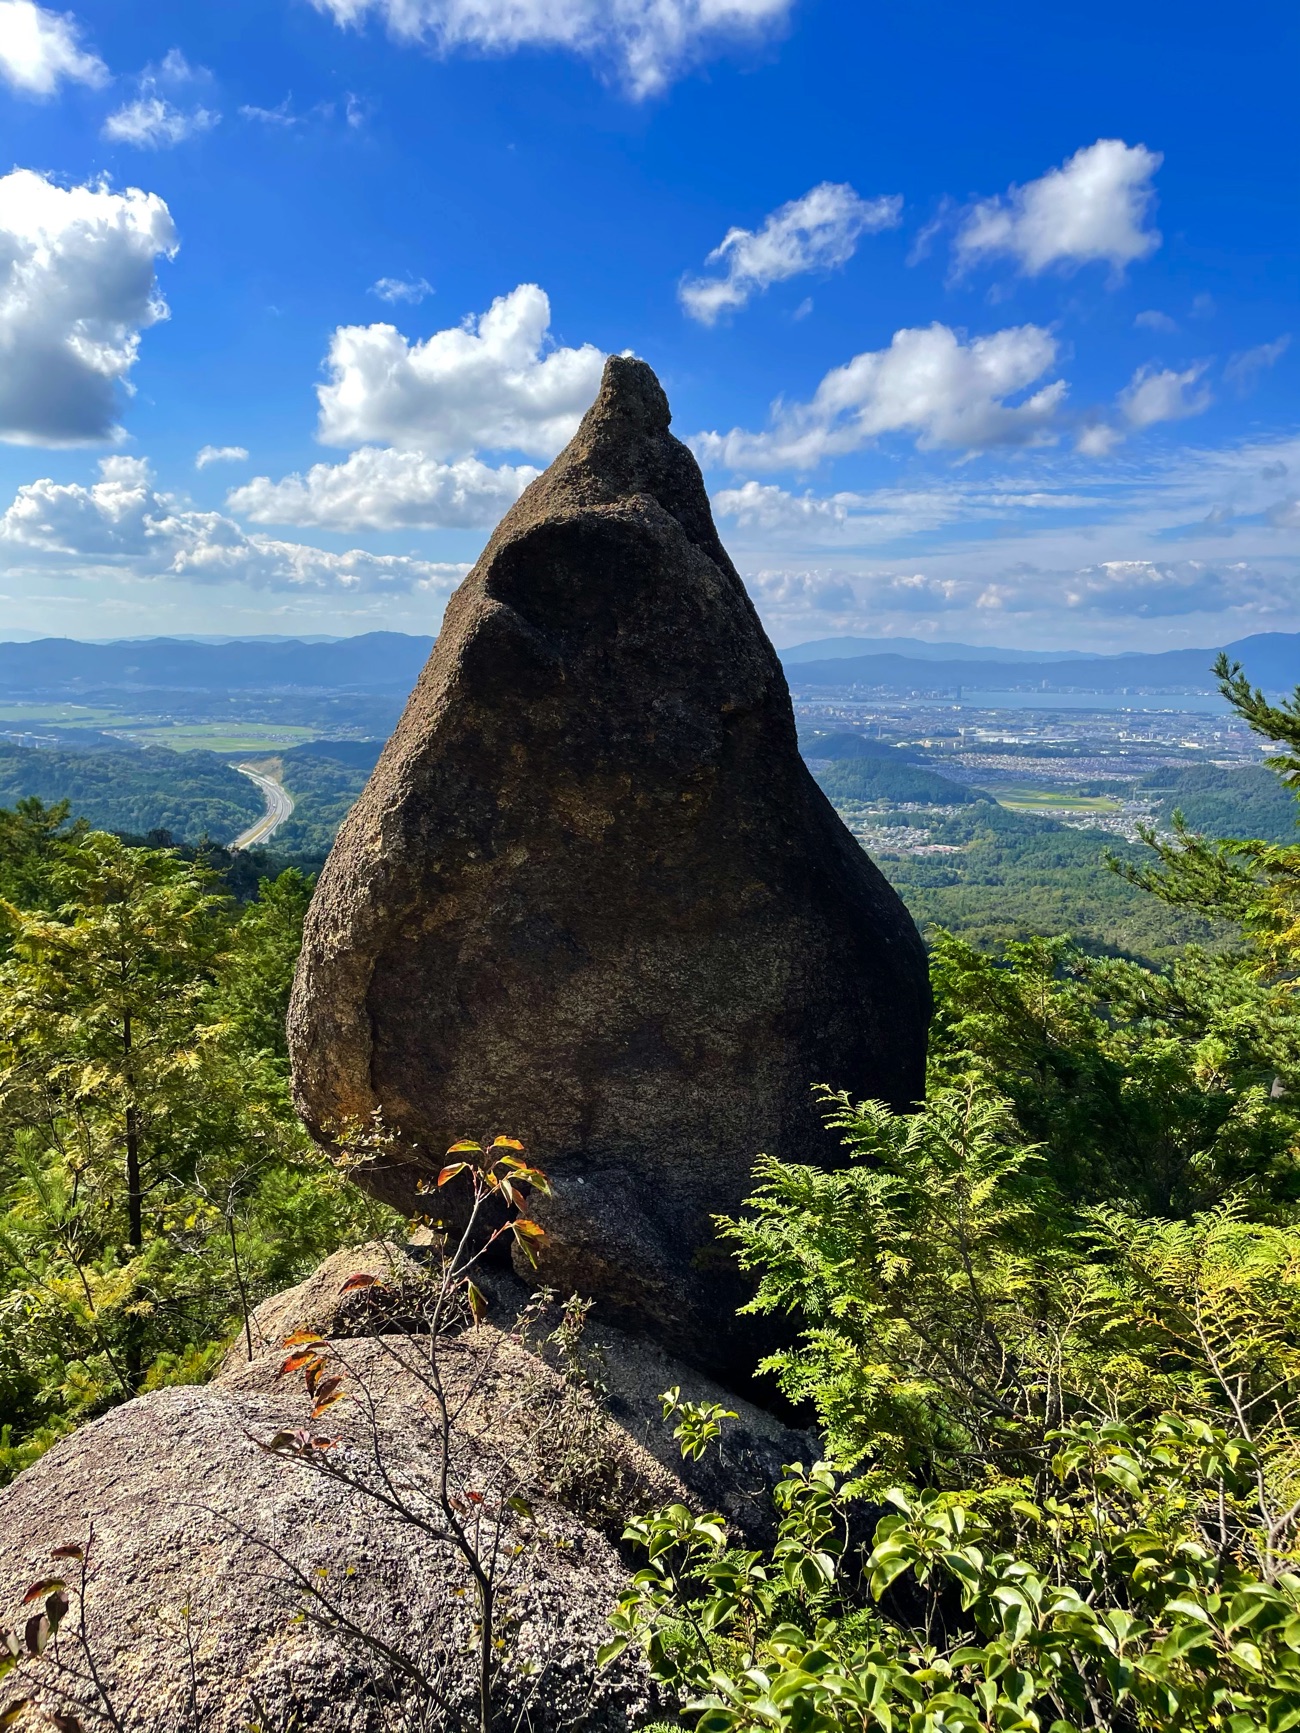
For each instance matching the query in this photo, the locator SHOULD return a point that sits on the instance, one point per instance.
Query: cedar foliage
(154, 1180)
(1048, 1328)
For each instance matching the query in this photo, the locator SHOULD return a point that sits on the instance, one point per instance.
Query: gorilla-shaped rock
(593, 899)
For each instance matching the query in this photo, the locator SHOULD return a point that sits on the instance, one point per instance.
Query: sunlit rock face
(592, 897)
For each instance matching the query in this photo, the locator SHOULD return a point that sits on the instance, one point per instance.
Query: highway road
(279, 804)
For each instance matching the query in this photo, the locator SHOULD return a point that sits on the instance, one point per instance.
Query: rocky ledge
(242, 1576)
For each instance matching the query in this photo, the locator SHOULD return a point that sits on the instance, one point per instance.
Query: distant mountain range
(375, 662)
(921, 650)
(386, 664)
(1271, 659)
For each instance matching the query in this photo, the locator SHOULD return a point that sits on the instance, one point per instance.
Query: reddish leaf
(451, 1172)
(38, 1591)
(301, 1336)
(529, 1228)
(474, 1497)
(311, 1377)
(326, 1388)
(466, 1148)
(354, 1282)
(296, 1362)
(69, 1550)
(326, 1402)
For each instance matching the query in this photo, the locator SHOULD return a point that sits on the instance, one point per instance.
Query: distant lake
(1201, 703)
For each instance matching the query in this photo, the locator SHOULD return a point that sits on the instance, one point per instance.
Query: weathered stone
(188, 1513)
(203, 1542)
(318, 1303)
(593, 899)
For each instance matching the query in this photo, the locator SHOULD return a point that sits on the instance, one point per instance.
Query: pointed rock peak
(592, 895)
(631, 400)
(623, 449)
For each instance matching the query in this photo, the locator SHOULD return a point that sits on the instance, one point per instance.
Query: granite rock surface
(592, 897)
(233, 1589)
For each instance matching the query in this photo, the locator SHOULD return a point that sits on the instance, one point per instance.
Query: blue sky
(979, 319)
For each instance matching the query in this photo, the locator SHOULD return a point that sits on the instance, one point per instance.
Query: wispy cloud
(1243, 369)
(395, 289)
(154, 121)
(817, 232)
(1058, 539)
(647, 43)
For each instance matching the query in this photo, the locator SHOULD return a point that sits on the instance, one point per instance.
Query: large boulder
(592, 898)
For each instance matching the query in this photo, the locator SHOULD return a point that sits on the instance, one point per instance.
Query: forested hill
(189, 794)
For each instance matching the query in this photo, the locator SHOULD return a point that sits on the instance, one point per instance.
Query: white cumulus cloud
(1151, 589)
(756, 505)
(929, 383)
(800, 594)
(490, 383)
(77, 287)
(648, 41)
(384, 490)
(1094, 208)
(220, 454)
(40, 50)
(816, 232)
(1163, 394)
(123, 521)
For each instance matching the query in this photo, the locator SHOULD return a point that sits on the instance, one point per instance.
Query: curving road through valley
(279, 804)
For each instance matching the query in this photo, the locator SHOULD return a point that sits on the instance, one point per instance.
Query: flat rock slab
(593, 899)
(201, 1542)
